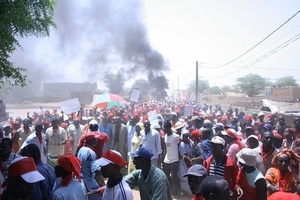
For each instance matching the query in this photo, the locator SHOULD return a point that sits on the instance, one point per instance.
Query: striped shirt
(217, 169)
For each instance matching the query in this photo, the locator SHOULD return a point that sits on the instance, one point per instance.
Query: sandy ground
(20, 110)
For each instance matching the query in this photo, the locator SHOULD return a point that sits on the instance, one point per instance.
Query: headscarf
(71, 164)
(294, 158)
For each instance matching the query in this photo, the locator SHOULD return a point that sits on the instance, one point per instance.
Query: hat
(142, 152)
(195, 133)
(24, 167)
(252, 136)
(196, 170)
(93, 122)
(247, 157)
(178, 125)
(230, 132)
(261, 114)
(218, 140)
(111, 157)
(70, 164)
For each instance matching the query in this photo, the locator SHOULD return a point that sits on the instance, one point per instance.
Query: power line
(260, 41)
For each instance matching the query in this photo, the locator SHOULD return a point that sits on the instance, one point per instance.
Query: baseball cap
(196, 170)
(111, 157)
(93, 122)
(230, 132)
(24, 167)
(218, 140)
(142, 152)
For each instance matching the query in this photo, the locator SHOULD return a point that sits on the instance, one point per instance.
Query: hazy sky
(130, 35)
(216, 32)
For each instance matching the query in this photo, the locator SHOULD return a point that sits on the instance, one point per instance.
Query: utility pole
(197, 82)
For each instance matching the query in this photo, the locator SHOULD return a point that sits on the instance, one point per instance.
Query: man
(116, 188)
(21, 178)
(151, 140)
(71, 186)
(267, 152)
(119, 138)
(215, 188)
(152, 181)
(131, 130)
(6, 157)
(75, 130)
(39, 139)
(43, 189)
(56, 137)
(220, 164)
(25, 131)
(90, 148)
(106, 128)
(171, 161)
(195, 175)
(89, 168)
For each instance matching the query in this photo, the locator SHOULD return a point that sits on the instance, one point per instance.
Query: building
(287, 94)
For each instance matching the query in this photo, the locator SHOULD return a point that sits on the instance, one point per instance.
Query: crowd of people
(104, 153)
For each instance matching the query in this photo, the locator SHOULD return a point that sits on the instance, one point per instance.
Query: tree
(21, 18)
(251, 84)
(114, 82)
(215, 90)
(286, 81)
(202, 86)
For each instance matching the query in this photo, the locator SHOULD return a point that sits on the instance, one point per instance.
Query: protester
(22, 175)
(250, 183)
(195, 176)
(136, 141)
(43, 189)
(116, 187)
(215, 188)
(151, 140)
(171, 161)
(39, 139)
(71, 186)
(75, 130)
(282, 176)
(152, 181)
(220, 164)
(56, 137)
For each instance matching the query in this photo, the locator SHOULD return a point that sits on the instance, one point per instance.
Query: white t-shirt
(172, 154)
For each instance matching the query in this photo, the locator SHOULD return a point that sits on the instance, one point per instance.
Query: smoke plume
(93, 37)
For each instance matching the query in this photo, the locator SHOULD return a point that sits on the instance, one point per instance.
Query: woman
(136, 141)
(283, 175)
(288, 135)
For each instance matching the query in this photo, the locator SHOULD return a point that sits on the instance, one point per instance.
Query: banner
(135, 95)
(70, 106)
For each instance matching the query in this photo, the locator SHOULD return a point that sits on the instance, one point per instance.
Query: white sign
(70, 106)
(152, 117)
(135, 95)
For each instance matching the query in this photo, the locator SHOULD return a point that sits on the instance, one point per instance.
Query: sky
(165, 38)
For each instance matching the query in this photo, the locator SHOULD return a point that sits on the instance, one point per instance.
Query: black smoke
(94, 37)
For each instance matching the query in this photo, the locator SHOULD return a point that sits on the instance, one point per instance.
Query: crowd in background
(256, 154)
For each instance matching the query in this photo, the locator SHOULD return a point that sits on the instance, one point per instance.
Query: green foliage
(114, 82)
(21, 18)
(251, 84)
(202, 86)
(215, 90)
(286, 81)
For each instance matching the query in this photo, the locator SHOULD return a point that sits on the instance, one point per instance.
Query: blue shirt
(108, 130)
